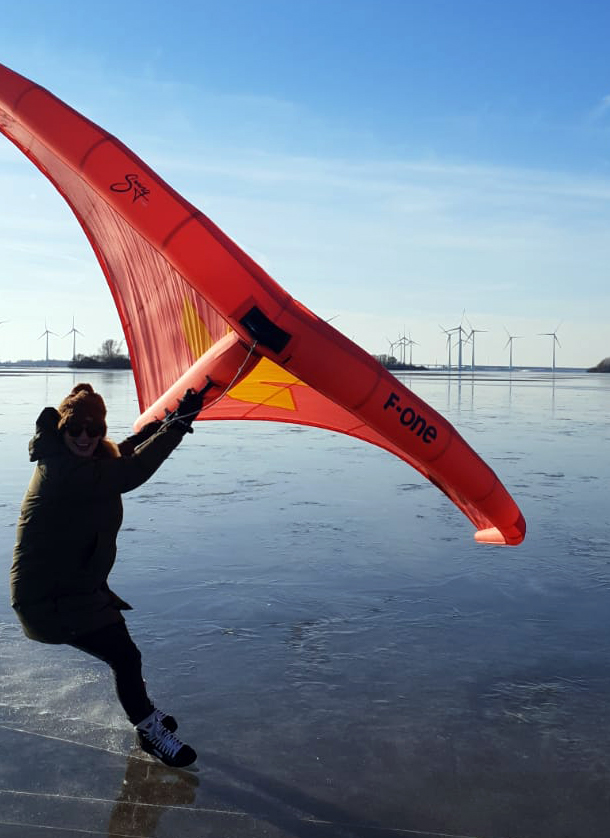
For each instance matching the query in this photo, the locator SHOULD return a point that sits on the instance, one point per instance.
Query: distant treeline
(391, 363)
(92, 362)
(109, 357)
(603, 366)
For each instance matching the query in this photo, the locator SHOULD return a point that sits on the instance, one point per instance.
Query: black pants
(114, 646)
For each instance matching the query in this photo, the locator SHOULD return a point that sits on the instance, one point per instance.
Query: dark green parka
(67, 530)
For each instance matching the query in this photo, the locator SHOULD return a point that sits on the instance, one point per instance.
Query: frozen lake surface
(347, 662)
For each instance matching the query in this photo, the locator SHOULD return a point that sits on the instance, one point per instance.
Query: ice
(342, 655)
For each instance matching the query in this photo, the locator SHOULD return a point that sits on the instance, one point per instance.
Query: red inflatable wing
(194, 306)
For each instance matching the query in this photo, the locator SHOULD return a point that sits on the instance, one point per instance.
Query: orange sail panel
(194, 307)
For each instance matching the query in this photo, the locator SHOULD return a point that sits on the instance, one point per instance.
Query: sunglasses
(92, 429)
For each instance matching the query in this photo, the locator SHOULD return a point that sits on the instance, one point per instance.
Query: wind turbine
(411, 343)
(47, 332)
(509, 343)
(473, 332)
(391, 344)
(460, 330)
(74, 332)
(448, 333)
(402, 342)
(555, 341)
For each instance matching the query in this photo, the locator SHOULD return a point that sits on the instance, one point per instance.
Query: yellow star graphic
(267, 384)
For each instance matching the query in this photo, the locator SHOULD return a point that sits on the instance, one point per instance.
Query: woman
(66, 545)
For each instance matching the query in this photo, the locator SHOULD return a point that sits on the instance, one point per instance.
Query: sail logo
(411, 420)
(133, 184)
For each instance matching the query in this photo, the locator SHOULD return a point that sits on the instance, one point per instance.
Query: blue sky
(391, 164)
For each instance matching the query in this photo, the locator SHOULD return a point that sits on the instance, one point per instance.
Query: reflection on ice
(148, 790)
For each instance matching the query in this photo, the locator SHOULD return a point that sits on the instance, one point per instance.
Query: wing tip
(492, 535)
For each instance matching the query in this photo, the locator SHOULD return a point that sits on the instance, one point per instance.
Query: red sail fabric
(191, 301)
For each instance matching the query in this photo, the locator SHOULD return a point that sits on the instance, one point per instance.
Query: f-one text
(410, 419)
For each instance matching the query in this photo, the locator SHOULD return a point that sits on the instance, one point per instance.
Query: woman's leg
(113, 645)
